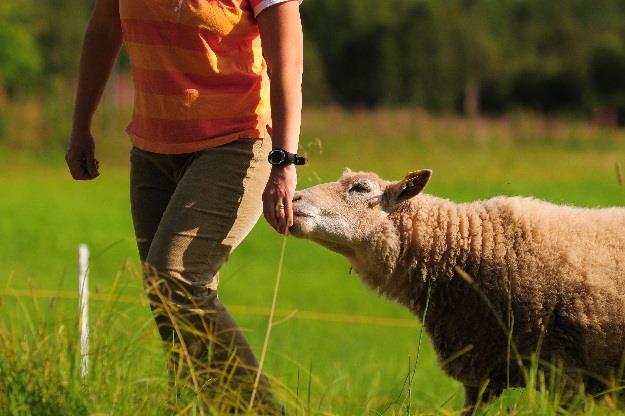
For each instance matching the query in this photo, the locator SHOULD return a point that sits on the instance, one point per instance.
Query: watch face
(277, 157)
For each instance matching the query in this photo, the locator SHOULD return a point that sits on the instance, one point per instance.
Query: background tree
(20, 54)
(607, 75)
(62, 25)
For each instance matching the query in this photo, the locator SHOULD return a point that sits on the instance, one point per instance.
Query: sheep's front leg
(471, 395)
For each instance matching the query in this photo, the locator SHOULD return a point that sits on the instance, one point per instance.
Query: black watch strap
(298, 160)
(280, 157)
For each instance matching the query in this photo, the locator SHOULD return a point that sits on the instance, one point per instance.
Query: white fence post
(83, 302)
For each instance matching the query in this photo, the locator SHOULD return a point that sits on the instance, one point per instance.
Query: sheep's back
(575, 244)
(570, 277)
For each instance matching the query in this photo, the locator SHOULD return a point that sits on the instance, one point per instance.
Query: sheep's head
(341, 215)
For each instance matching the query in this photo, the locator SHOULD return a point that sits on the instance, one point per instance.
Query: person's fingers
(280, 215)
(288, 210)
(91, 165)
(82, 165)
(77, 169)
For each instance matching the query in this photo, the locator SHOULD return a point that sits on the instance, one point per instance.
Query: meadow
(336, 348)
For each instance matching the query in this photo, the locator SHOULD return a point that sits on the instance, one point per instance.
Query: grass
(321, 363)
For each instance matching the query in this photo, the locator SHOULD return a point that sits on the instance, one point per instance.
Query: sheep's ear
(347, 171)
(410, 186)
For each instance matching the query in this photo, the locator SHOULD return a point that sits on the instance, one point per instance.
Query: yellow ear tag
(410, 178)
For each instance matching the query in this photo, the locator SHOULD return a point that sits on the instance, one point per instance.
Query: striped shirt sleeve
(260, 5)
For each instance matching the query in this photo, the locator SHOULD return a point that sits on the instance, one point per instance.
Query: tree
(474, 46)
(426, 80)
(607, 76)
(20, 56)
(62, 25)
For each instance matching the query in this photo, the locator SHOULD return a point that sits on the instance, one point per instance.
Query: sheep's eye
(360, 188)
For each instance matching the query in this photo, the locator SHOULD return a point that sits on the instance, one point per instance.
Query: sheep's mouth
(301, 214)
(301, 223)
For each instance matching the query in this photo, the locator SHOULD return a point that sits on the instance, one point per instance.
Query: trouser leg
(215, 203)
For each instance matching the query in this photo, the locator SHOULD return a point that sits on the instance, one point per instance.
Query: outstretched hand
(278, 197)
(80, 157)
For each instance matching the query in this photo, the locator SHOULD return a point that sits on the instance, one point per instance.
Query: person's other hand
(278, 197)
(80, 157)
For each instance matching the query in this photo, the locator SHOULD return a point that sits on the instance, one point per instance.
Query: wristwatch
(280, 157)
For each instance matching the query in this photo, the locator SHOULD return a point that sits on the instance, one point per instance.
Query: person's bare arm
(101, 45)
(282, 41)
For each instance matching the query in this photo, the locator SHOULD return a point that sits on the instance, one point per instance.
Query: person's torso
(199, 75)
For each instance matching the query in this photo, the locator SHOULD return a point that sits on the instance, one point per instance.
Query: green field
(322, 363)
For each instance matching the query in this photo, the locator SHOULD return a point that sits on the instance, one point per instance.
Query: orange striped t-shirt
(199, 74)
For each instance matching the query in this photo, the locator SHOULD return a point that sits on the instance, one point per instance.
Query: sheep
(550, 277)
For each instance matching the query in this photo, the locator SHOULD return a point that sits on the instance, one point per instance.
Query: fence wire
(237, 309)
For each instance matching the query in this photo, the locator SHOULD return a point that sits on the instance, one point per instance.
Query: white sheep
(552, 277)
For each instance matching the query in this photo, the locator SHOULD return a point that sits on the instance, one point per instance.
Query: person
(200, 175)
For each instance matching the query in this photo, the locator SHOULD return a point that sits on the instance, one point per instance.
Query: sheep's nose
(297, 197)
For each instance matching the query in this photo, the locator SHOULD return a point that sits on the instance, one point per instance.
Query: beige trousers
(189, 212)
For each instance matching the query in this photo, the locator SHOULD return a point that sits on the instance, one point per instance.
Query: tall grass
(40, 373)
(40, 368)
(40, 362)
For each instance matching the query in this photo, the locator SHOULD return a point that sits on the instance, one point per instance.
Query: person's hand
(278, 197)
(80, 157)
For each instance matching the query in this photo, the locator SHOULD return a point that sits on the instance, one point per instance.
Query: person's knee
(194, 262)
(164, 284)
